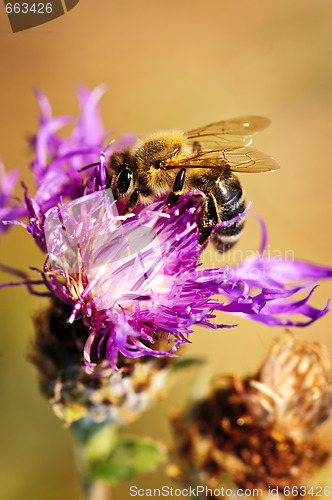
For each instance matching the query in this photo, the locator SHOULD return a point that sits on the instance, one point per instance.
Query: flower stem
(97, 490)
(91, 441)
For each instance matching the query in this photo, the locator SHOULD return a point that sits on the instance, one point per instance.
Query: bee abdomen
(227, 236)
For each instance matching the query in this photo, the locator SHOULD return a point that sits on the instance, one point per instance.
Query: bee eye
(124, 180)
(156, 164)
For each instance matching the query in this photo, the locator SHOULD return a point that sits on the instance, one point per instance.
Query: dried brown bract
(260, 432)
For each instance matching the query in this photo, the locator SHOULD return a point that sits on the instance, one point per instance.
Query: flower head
(260, 432)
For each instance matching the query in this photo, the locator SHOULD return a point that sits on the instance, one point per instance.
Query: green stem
(83, 432)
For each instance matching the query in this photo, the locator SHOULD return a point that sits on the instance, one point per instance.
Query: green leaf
(130, 457)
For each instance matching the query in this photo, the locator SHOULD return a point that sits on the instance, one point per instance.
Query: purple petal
(10, 208)
(90, 125)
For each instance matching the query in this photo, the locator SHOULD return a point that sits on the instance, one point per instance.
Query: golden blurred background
(174, 64)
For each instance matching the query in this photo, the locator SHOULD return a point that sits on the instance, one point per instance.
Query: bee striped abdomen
(230, 199)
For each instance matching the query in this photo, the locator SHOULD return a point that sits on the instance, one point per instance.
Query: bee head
(120, 174)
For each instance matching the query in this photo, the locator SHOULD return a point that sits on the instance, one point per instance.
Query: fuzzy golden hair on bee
(160, 146)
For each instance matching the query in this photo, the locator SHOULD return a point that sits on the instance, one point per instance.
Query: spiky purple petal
(10, 208)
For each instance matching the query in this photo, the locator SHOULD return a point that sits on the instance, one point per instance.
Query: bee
(205, 159)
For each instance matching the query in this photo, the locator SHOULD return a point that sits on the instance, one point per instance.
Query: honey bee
(164, 165)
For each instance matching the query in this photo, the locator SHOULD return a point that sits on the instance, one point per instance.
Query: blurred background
(174, 64)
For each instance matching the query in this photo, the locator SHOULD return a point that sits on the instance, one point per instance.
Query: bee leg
(197, 148)
(133, 200)
(177, 188)
(210, 220)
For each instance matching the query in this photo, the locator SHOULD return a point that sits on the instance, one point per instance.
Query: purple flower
(136, 278)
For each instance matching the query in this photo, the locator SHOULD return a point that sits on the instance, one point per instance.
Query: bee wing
(237, 159)
(249, 160)
(226, 133)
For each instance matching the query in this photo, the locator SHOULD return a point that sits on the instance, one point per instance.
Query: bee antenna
(89, 166)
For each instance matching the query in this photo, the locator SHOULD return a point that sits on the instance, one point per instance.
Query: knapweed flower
(259, 433)
(136, 279)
